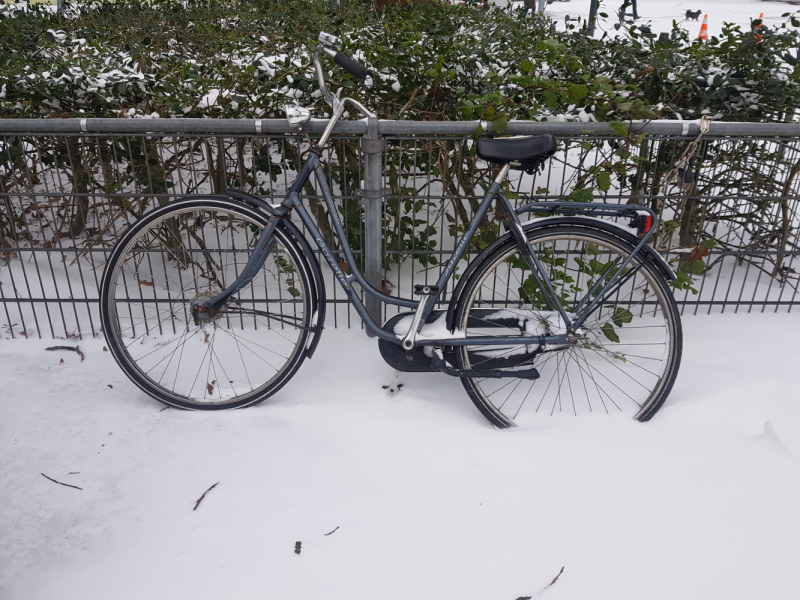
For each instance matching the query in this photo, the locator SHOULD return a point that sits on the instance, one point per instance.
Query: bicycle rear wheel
(626, 355)
(194, 249)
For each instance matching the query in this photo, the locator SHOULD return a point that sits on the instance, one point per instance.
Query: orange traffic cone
(704, 29)
(760, 18)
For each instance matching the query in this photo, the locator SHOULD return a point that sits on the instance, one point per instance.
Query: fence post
(372, 147)
(592, 21)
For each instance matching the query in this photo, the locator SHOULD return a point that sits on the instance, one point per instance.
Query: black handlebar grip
(351, 66)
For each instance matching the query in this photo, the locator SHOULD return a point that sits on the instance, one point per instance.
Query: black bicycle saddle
(530, 151)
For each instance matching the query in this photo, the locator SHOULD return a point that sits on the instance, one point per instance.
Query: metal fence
(404, 190)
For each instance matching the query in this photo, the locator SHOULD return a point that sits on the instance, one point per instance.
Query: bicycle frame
(424, 307)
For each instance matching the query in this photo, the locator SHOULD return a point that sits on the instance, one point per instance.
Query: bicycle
(214, 302)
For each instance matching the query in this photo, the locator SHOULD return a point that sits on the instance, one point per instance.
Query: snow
(210, 98)
(432, 330)
(429, 501)
(660, 15)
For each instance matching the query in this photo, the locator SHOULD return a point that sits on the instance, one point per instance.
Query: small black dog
(692, 16)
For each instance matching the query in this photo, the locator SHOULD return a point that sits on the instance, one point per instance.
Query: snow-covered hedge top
(429, 60)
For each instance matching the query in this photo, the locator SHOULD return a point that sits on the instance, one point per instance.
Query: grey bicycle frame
(425, 305)
(423, 308)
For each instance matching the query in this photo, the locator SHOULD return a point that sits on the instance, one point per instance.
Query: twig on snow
(59, 483)
(72, 348)
(200, 499)
(556, 579)
(540, 592)
(330, 532)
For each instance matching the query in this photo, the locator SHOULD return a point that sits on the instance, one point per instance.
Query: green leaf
(554, 44)
(580, 195)
(500, 123)
(526, 66)
(603, 181)
(619, 128)
(621, 316)
(608, 331)
(550, 98)
(578, 91)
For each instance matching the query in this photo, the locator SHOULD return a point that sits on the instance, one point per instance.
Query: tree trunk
(80, 185)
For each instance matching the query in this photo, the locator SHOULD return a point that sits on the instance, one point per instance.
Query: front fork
(205, 308)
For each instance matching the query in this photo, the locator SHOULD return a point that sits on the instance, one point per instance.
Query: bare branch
(71, 348)
(200, 499)
(59, 483)
(556, 578)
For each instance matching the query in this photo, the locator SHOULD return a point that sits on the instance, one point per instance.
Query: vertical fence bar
(592, 20)
(373, 147)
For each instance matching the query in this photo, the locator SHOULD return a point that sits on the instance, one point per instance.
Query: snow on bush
(430, 60)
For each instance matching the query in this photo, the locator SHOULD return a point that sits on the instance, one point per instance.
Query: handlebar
(351, 66)
(335, 102)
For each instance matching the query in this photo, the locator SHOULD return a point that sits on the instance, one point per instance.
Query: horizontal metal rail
(386, 127)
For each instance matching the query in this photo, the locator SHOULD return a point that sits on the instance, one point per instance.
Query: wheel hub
(202, 312)
(574, 338)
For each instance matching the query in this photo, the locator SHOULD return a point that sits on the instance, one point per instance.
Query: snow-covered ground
(423, 498)
(661, 14)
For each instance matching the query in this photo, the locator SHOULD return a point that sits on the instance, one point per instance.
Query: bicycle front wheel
(194, 249)
(624, 357)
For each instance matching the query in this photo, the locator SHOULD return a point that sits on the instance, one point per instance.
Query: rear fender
(596, 224)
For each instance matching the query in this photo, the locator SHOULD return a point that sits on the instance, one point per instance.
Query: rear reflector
(645, 222)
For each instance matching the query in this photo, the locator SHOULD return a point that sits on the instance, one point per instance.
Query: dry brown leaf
(699, 252)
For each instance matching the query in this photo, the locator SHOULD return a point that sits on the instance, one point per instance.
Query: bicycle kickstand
(395, 385)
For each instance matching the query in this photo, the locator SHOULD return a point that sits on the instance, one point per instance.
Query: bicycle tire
(599, 372)
(196, 247)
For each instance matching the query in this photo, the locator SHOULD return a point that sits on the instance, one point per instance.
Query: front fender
(318, 300)
(543, 223)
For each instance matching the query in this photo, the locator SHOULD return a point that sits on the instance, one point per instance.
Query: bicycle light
(643, 223)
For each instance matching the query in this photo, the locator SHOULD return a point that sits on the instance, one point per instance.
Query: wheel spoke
(593, 368)
(194, 249)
